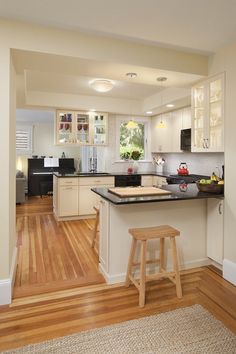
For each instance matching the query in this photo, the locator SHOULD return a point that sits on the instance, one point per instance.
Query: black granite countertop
(192, 192)
(104, 174)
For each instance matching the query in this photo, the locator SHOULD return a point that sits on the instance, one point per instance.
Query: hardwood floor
(43, 308)
(52, 256)
(41, 317)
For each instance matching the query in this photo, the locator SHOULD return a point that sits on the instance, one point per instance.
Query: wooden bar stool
(95, 238)
(143, 235)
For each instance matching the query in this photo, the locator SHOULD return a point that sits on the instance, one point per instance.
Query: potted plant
(135, 155)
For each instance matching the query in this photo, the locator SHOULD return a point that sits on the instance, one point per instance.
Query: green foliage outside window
(132, 142)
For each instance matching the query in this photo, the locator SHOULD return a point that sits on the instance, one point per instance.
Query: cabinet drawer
(68, 181)
(96, 181)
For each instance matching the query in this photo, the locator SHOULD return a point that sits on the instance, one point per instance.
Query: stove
(192, 178)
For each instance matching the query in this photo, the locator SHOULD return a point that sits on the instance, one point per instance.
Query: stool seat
(142, 235)
(148, 233)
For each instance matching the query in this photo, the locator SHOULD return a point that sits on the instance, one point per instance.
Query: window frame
(29, 130)
(147, 134)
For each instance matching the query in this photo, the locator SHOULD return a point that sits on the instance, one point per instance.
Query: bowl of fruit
(213, 185)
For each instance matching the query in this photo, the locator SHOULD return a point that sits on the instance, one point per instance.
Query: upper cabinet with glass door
(208, 115)
(80, 128)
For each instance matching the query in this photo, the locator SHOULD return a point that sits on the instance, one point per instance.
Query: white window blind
(24, 140)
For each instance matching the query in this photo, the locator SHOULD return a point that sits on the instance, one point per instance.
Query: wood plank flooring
(52, 256)
(41, 317)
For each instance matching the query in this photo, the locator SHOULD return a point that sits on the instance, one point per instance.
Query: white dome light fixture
(101, 85)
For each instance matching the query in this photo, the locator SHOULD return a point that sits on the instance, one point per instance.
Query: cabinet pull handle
(102, 202)
(207, 144)
(204, 143)
(220, 208)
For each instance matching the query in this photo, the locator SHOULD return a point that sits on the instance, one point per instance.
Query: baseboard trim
(229, 271)
(6, 285)
(120, 278)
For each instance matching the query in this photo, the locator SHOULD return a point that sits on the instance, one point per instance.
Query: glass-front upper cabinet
(99, 135)
(64, 127)
(81, 128)
(208, 115)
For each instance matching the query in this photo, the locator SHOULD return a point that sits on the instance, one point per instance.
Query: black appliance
(185, 139)
(177, 179)
(40, 178)
(127, 180)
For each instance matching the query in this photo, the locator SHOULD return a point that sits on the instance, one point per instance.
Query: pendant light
(161, 79)
(131, 123)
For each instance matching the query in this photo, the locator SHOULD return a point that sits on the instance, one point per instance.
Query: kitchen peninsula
(197, 215)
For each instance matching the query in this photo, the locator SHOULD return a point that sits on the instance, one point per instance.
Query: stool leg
(95, 230)
(162, 255)
(142, 274)
(176, 268)
(130, 263)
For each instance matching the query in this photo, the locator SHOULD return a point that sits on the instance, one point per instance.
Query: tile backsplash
(198, 163)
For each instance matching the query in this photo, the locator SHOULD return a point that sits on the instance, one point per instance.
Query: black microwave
(185, 139)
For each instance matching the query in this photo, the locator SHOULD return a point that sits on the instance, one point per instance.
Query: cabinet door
(147, 181)
(161, 133)
(215, 230)
(65, 127)
(199, 117)
(87, 200)
(82, 127)
(100, 129)
(216, 114)
(176, 129)
(68, 201)
(55, 194)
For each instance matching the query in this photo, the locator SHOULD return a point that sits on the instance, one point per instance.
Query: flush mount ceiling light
(102, 85)
(131, 75)
(170, 105)
(149, 112)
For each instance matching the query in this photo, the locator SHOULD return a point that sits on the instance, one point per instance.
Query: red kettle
(183, 170)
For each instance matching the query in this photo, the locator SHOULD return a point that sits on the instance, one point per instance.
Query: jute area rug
(187, 330)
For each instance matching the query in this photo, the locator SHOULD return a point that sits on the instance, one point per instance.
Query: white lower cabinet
(87, 198)
(147, 181)
(215, 236)
(68, 201)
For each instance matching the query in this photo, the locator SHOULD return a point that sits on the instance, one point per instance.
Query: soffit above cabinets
(45, 78)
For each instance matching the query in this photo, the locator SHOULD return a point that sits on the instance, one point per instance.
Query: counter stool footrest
(151, 261)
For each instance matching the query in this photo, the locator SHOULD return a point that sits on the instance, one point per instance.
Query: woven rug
(187, 330)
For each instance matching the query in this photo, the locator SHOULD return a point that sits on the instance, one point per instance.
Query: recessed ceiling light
(170, 105)
(131, 75)
(149, 112)
(101, 85)
(92, 110)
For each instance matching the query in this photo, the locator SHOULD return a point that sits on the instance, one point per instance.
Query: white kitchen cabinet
(87, 198)
(81, 128)
(159, 181)
(147, 181)
(161, 133)
(68, 201)
(208, 115)
(215, 229)
(167, 138)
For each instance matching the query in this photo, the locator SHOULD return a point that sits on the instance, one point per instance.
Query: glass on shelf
(215, 91)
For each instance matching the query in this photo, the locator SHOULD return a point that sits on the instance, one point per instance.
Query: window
(133, 139)
(24, 140)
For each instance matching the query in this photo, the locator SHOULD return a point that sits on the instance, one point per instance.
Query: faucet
(92, 164)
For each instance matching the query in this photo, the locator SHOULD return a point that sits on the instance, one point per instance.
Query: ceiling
(202, 26)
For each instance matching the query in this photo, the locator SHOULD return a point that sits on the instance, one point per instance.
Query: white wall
(203, 164)
(43, 144)
(225, 60)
